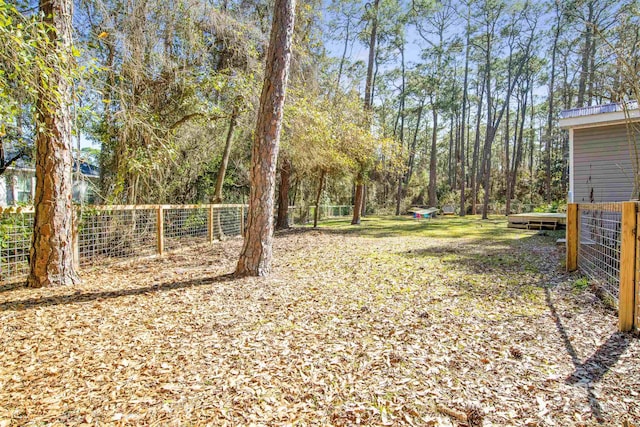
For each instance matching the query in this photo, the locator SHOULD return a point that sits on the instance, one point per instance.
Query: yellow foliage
(334, 136)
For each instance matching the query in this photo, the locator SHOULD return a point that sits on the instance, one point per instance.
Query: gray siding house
(603, 152)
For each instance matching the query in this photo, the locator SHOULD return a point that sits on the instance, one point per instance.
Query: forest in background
(456, 102)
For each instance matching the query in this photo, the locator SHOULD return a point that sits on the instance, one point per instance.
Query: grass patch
(468, 227)
(581, 284)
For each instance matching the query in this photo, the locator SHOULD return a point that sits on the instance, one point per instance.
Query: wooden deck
(538, 221)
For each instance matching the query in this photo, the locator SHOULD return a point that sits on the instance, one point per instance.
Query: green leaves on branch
(28, 62)
(324, 136)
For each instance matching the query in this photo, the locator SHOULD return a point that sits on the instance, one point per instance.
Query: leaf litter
(348, 330)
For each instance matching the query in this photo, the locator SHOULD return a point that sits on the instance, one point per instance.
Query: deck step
(522, 225)
(542, 223)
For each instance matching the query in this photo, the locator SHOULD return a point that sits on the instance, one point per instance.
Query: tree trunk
(399, 195)
(476, 153)
(51, 258)
(517, 147)
(551, 111)
(108, 153)
(401, 114)
(282, 222)
(368, 94)
(489, 133)
(532, 138)
(450, 167)
(486, 170)
(217, 196)
(433, 160)
(520, 141)
(494, 117)
(255, 257)
(507, 159)
(343, 57)
(358, 200)
(412, 149)
(372, 49)
(463, 123)
(316, 212)
(586, 53)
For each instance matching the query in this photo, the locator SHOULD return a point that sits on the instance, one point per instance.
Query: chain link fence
(599, 237)
(108, 234)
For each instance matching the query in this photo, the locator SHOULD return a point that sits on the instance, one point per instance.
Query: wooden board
(572, 237)
(537, 221)
(626, 294)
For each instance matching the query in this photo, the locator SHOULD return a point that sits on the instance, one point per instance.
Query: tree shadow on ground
(597, 365)
(393, 226)
(12, 286)
(488, 255)
(80, 297)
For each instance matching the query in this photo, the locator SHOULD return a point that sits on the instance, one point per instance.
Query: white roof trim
(603, 119)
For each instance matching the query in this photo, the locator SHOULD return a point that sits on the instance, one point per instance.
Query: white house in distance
(603, 152)
(18, 184)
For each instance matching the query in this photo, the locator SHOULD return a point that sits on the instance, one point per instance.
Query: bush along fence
(602, 243)
(106, 234)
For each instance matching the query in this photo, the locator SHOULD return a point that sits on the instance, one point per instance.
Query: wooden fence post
(75, 224)
(626, 296)
(636, 321)
(160, 230)
(210, 224)
(573, 236)
(242, 220)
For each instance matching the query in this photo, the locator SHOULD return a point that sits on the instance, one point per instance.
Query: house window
(24, 189)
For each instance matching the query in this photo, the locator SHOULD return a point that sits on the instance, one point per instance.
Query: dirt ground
(413, 325)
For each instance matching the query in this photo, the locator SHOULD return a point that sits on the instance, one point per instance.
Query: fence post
(160, 230)
(75, 224)
(242, 220)
(626, 297)
(636, 321)
(210, 224)
(572, 236)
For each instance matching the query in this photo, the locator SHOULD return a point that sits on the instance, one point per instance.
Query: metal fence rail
(107, 234)
(599, 231)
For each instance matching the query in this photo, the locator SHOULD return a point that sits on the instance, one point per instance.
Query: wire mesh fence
(227, 222)
(107, 234)
(16, 230)
(115, 233)
(599, 238)
(331, 211)
(296, 215)
(184, 227)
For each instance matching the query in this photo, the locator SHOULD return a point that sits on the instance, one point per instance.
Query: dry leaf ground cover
(380, 324)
